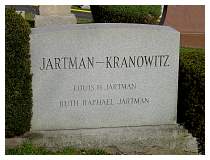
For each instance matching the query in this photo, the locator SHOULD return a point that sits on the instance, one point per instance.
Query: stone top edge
(57, 28)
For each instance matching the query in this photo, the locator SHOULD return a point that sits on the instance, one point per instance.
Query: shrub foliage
(191, 99)
(18, 89)
(146, 14)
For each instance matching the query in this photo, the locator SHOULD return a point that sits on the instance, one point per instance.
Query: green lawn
(28, 149)
(83, 20)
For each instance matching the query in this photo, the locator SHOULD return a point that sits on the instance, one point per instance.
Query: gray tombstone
(54, 15)
(100, 85)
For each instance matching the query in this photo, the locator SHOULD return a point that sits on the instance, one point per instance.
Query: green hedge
(146, 14)
(31, 23)
(191, 95)
(18, 90)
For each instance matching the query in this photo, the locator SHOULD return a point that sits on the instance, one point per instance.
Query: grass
(29, 16)
(27, 148)
(83, 20)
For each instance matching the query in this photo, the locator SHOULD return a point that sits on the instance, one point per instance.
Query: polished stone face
(104, 75)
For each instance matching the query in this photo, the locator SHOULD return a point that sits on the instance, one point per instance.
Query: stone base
(163, 139)
(41, 21)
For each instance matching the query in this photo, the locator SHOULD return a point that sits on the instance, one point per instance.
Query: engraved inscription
(109, 62)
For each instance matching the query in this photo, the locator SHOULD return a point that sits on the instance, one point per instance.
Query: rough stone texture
(14, 142)
(163, 139)
(41, 21)
(54, 15)
(58, 10)
(51, 86)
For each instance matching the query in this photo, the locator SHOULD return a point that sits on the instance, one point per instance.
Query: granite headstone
(104, 75)
(54, 15)
(107, 86)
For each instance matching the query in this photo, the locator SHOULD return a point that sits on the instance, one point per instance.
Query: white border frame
(101, 2)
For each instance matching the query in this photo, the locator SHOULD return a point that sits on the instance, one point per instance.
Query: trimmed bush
(146, 14)
(18, 90)
(191, 95)
(31, 23)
